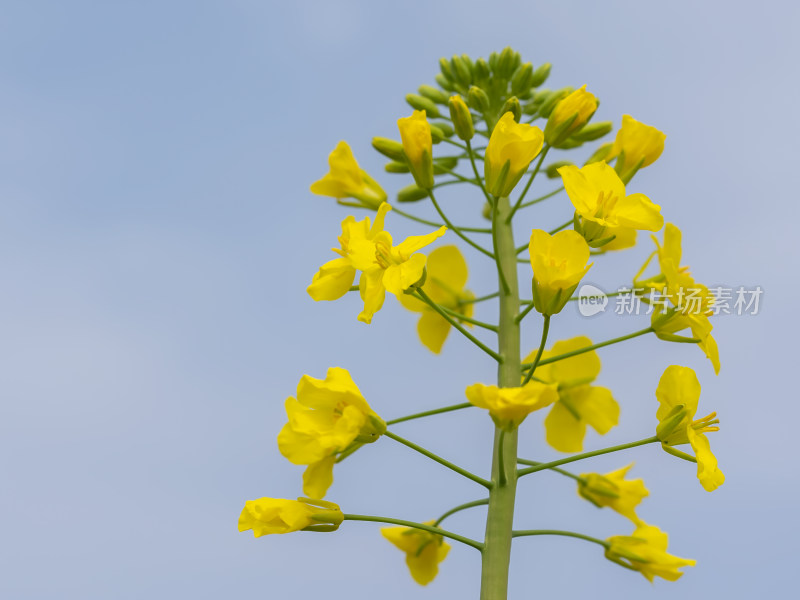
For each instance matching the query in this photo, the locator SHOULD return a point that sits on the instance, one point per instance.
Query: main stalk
(497, 541)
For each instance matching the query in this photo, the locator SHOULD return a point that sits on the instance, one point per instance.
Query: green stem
(476, 300)
(566, 355)
(542, 198)
(528, 185)
(424, 297)
(467, 319)
(414, 525)
(434, 224)
(430, 413)
(524, 313)
(536, 463)
(459, 508)
(545, 331)
(455, 229)
(580, 536)
(562, 226)
(569, 459)
(500, 516)
(477, 175)
(439, 459)
(500, 271)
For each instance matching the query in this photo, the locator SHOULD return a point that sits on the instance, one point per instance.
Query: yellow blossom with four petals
(424, 550)
(559, 263)
(601, 202)
(636, 146)
(645, 550)
(347, 180)
(579, 403)
(614, 491)
(444, 284)
(266, 516)
(509, 406)
(325, 419)
(384, 267)
(511, 149)
(678, 395)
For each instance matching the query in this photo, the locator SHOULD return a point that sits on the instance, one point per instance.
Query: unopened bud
(444, 164)
(478, 99)
(461, 70)
(444, 66)
(552, 170)
(593, 131)
(540, 75)
(411, 193)
(552, 99)
(446, 129)
(507, 63)
(462, 118)
(599, 154)
(433, 94)
(480, 72)
(521, 82)
(513, 106)
(397, 167)
(417, 102)
(389, 148)
(444, 82)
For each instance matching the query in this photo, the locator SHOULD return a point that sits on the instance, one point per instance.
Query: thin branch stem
(424, 297)
(459, 508)
(545, 330)
(477, 175)
(456, 230)
(467, 319)
(475, 300)
(536, 463)
(434, 224)
(560, 227)
(542, 198)
(439, 459)
(528, 185)
(430, 413)
(580, 536)
(566, 355)
(414, 525)
(569, 459)
(521, 315)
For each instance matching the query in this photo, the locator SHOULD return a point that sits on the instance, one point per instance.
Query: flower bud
(540, 75)
(445, 127)
(521, 82)
(507, 63)
(447, 72)
(478, 99)
(480, 72)
(513, 106)
(444, 164)
(437, 135)
(552, 170)
(417, 102)
(550, 99)
(411, 193)
(569, 115)
(462, 118)
(389, 148)
(433, 94)
(600, 154)
(415, 132)
(444, 82)
(396, 166)
(461, 70)
(276, 515)
(593, 131)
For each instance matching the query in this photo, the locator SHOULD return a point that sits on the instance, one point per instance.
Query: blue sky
(157, 236)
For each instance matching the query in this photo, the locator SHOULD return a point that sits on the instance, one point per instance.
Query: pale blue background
(157, 234)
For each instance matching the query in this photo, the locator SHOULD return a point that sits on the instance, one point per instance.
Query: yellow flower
(559, 263)
(415, 133)
(599, 198)
(276, 515)
(513, 144)
(424, 550)
(368, 248)
(646, 551)
(569, 115)
(691, 301)
(579, 403)
(347, 180)
(509, 406)
(678, 394)
(613, 490)
(326, 418)
(636, 147)
(444, 284)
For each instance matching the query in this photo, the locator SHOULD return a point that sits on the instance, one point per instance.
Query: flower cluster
(329, 419)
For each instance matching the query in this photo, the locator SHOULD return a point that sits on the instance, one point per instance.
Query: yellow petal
(398, 278)
(638, 212)
(415, 242)
(564, 431)
(447, 274)
(595, 405)
(372, 293)
(332, 281)
(708, 472)
(433, 330)
(678, 385)
(318, 477)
